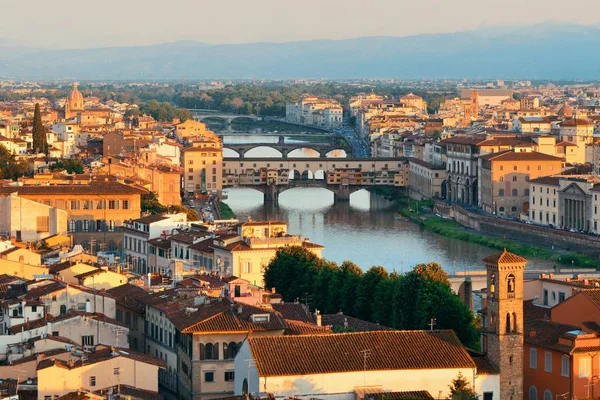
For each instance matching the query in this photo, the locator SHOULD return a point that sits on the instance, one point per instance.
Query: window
(514, 178)
(87, 340)
(501, 192)
(533, 358)
(112, 205)
(501, 179)
(510, 283)
(92, 381)
(501, 209)
(116, 371)
(547, 395)
(209, 376)
(561, 297)
(515, 192)
(565, 364)
(532, 393)
(585, 367)
(125, 204)
(229, 376)
(548, 361)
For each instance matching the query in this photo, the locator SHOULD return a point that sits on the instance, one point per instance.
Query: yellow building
(190, 130)
(95, 210)
(105, 368)
(504, 179)
(203, 167)
(245, 255)
(578, 132)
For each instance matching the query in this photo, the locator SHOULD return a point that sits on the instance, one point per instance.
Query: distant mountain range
(544, 51)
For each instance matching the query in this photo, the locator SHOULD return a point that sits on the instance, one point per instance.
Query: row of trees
(164, 111)
(150, 204)
(400, 301)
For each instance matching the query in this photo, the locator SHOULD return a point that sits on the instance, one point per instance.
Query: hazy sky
(85, 23)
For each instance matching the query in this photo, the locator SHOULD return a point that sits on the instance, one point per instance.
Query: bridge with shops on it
(342, 176)
(324, 148)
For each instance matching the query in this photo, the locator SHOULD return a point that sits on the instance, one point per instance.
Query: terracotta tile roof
(484, 367)
(103, 188)
(390, 350)
(38, 323)
(504, 257)
(225, 317)
(90, 273)
(546, 334)
(532, 311)
(304, 328)
(593, 295)
(295, 312)
(410, 395)
(565, 144)
(101, 355)
(130, 392)
(576, 122)
(355, 324)
(510, 155)
(161, 243)
(148, 219)
(126, 296)
(546, 180)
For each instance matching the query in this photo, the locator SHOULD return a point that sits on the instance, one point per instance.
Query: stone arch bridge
(312, 172)
(284, 148)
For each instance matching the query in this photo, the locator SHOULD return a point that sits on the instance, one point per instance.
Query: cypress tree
(40, 142)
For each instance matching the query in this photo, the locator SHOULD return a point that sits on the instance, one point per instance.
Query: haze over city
(76, 24)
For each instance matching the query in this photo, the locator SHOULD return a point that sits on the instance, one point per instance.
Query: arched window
(492, 283)
(245, 387)
(514, 322)
(63, 309)
(547, 395)
(501, 168)
(526, 193)
(501, 192)
(532, 393)
(514, 168)
(233, 349)
(501, 179)
(202, 351)
(209, 351)
(515, 192)
(501, 209)
(513, 209)
(514, 178)
(507, 323)
(510, 283)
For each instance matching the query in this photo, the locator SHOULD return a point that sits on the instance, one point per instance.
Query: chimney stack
(318, 317)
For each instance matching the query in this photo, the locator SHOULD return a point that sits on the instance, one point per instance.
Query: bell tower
(504, 322)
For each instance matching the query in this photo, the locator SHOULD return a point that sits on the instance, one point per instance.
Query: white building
(137, 233)
(317, 111)
(336, 367)
(29, 220)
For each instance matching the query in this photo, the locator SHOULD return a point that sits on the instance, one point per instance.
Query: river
(363, 230)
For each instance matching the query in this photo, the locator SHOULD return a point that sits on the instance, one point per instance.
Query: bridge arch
(303, 151)
(248, 151)
(320, 175)
(337, 153)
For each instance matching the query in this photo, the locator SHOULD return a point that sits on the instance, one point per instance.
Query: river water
(364, 230)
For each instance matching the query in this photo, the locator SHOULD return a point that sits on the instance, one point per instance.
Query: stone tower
(504, 334)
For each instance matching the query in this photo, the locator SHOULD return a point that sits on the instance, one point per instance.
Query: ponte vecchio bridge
(342, 176)
(323, 148)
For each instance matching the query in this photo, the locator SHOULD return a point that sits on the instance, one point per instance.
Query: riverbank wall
(518, 231)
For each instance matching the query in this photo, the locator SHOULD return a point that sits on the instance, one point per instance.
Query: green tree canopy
(407, 301)
(40, 142)
(460, 389)
(71, 165)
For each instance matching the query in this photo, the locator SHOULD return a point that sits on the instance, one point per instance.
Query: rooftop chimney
(239, 309)
(319, 318)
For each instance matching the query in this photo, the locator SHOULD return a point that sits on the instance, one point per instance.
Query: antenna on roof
(366, 354)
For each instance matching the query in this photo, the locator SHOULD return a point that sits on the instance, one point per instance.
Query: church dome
(566, 111)
(75, 94)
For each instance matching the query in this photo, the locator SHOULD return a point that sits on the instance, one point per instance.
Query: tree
(70, 165)
(460, 389)
(192, 215)
(40, 142)
(432, 272)
(363, 307)
(150, 204)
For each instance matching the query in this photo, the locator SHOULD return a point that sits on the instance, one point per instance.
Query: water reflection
(364, 230)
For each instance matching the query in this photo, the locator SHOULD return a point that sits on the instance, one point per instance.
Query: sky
(85, 24)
